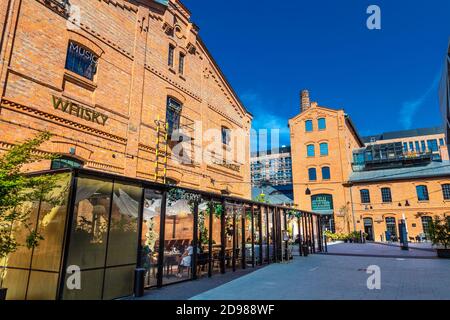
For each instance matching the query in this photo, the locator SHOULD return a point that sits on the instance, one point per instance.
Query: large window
(179, 236)
(312, 174)
(170, 56)
(81, 60)
(446, 191)
(417, 146)
(391, 228)
(326, 175)
(426, 222)
(432, 145)
(173, 112)
(308, 126)
(310, 150)
(324, 149)
(423, 146)
(386, 195)
(104, 238)
(365, 196)
(422, 193)
(66, 162)
(150, 235)
(322, 124)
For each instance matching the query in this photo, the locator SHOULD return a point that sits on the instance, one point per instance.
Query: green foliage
(261, 198)
(17, 189)
(439, 231)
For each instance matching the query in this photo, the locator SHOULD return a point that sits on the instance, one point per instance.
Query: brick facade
(348, 210)
(130, 87)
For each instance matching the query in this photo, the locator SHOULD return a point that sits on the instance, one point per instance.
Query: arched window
(321, 124)
(310, 150)
(66, 162)
(365, 196)
(312, 174)
(391, 227)
(324, 149)
(422, 193)
(386, 195)
(309, 126)
(326, 174)
(173, 112)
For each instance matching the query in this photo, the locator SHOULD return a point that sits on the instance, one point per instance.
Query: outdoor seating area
(109, 226)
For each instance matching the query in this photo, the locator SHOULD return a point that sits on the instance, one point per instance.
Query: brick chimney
(305, 102)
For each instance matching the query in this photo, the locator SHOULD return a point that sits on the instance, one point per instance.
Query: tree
(439, 231)
(16, 189)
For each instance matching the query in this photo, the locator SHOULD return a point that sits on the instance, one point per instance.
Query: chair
(202, 261)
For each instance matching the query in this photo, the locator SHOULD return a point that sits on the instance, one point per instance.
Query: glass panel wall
(150, 236)
(104, 238)
(216, 237)
(248, 236)
(238, 245)
(265, 235)
(179, 236)
(204, 219)
(33, 273)
(256, 234)
(270, 234)
(229, 236)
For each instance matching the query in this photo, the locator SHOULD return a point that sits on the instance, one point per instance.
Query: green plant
(439, 231)
(16, 189)
(261, 198)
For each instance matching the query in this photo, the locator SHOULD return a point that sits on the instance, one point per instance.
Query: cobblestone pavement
(343, 277)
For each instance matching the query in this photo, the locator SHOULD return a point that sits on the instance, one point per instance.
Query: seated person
(186, 259)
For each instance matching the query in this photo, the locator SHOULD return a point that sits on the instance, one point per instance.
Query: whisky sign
(79, 111)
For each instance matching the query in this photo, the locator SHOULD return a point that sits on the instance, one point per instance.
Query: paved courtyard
(416, 274)
(343, 277)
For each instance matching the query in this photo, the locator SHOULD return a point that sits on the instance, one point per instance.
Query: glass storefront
(98, 228)
(33, 273)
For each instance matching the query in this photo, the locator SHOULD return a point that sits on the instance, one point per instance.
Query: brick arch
(88, 43)
(63, 148)
(172, 92)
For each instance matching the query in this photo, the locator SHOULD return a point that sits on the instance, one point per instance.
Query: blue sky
(385, 79)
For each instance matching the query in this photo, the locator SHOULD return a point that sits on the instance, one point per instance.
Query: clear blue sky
(385, 79)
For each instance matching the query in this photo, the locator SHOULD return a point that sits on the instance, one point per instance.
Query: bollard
(139, 279)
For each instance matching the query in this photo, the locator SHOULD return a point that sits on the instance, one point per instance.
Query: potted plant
(17, 189)
(439, 233)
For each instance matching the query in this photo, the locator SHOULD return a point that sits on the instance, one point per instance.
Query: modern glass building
(444, 96)
(103, 227)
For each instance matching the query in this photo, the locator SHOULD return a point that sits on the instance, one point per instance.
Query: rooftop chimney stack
(305, 102)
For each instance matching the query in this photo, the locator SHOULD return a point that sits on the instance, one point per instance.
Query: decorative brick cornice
(172, 82)
(225, 115)
(122, 5)
(56, 6)
(57, 119)
(104, 166)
